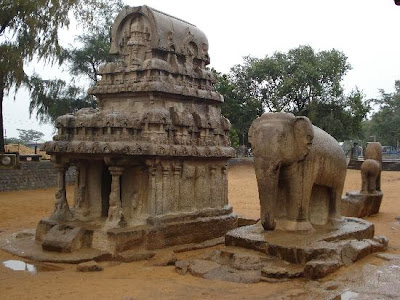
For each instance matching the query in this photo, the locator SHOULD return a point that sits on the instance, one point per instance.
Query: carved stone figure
(368, 200)
(151, 161)
(371, 168)
(370, 176)
(300, 172)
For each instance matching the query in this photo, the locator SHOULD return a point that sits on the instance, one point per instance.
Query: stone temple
(151, 161)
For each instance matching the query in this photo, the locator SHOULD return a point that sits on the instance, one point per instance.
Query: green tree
(53, 98)
(86, 60)
(29, 135)
(342, 117)
(30, 29)
(240, 109)
(12, 140)
(301, 81)
(295, 80)
(384, 124)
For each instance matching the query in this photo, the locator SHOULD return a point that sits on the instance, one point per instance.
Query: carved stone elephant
(300, 172)
(371, 168)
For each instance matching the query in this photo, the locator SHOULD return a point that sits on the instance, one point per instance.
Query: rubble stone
(90, 266)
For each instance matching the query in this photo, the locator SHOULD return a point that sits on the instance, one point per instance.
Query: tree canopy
(301, 81)
(240, 109)
(30, 29)
(384, 124)
(51, 98)
(29, 135)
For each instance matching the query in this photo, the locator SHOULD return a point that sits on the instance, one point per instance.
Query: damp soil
(22, 210)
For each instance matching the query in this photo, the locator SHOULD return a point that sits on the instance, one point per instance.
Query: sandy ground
(23, 209)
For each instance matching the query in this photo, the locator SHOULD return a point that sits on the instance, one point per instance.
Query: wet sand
(23, 209)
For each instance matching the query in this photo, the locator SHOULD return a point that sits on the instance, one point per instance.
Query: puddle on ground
(33, 268)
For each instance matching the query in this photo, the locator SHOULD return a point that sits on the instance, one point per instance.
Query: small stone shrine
(152, 160)
(368, 200)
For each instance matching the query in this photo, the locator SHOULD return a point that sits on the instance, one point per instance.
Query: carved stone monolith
(368, 200)
(151, 160)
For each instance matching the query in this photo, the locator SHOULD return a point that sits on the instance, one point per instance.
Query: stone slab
(183, 234)
(356, 204)
(299, 248)
(31, 249)
(63, 238)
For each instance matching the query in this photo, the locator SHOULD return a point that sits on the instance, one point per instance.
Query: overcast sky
(367, 31)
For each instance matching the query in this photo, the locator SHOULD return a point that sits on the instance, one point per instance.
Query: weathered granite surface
(151, 161)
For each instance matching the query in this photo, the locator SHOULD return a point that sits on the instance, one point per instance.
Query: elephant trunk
(267, 172)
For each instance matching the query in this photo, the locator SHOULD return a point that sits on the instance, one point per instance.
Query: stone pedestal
(356, 204)
(320, 252)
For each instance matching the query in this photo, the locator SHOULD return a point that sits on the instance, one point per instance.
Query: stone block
(246, 262)
(289, 271)
(61, 238)
(200, 267)
(181, 266)
(356, 204)
(89, 266)
(355, 250)
(318, 268)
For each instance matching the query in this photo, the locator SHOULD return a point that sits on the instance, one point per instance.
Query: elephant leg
(299, 195)
(337, 192)
(335, 205)
(364, 181)
(371, 184)
(267, 179)
(378, 181)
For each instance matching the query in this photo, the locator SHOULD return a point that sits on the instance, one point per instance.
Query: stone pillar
(81, 205)
(177, 178)
(212, 183)
(225, 184)
(166, 191)
(115, 216)
(61, 209)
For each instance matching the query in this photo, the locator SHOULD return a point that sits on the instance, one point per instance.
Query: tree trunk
(2, 150)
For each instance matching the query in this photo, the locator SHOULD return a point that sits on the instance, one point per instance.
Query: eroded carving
(300, 172)
(153, 150)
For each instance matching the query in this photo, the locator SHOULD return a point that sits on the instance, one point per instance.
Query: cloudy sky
(367, 31)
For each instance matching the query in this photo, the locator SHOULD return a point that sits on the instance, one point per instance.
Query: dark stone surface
(199, 267)
(181, 236)
(320, 252)
(32, 175)
(181, 266)
(356, 204)
(289, 271)
(388, 165)
(355, 250)
(62, 238)
(299, 248)
(318, 268)
(195, 231)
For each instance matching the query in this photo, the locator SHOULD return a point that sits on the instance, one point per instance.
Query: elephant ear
(304, 135)
(252, 132)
